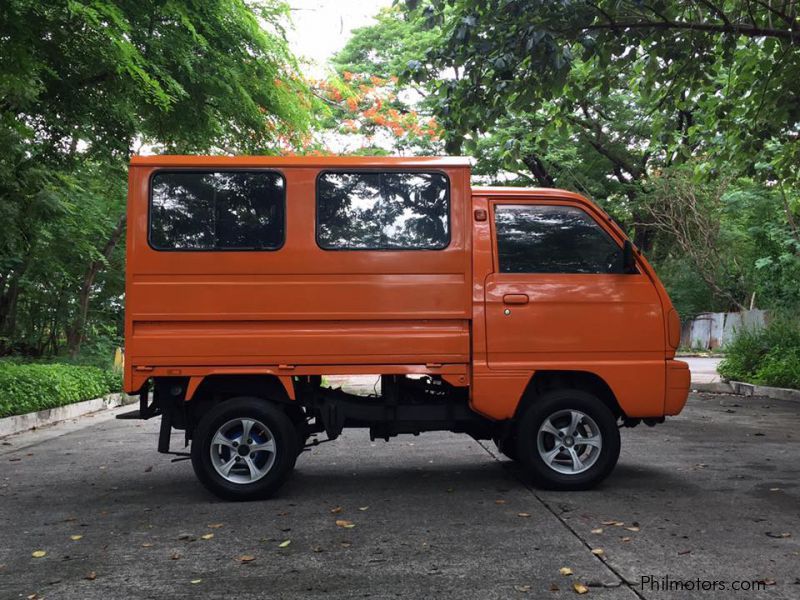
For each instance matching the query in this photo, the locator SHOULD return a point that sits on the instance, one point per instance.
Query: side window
(553, 239)
(383, 211)
(217, 210)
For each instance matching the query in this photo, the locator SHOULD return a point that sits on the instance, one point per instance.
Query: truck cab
(523, 316)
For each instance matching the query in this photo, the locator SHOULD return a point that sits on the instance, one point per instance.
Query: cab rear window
(217, 210)
(383, 211)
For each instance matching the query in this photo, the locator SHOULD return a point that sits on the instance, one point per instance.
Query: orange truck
(521, 316)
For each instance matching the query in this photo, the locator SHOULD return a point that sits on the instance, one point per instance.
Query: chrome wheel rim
(243, 450)
(569, 442)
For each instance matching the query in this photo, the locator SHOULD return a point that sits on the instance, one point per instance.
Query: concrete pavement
(703, 368)
(711, 494)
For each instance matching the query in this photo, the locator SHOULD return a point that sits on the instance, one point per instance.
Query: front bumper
(677, 389)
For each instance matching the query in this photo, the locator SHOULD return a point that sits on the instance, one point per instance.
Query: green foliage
(689, 293)
(712, 79)
(32, 387)
(767, 357)
(83, 83)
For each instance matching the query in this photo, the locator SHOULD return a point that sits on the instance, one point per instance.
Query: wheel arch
(273, 387)
(547, 380)
(203, 392)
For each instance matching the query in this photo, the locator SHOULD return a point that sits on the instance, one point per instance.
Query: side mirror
(628, 259)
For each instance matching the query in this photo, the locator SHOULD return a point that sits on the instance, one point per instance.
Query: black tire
(284, 435)
(553, 404)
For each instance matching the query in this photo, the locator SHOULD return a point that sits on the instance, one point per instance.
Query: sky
(321, 27)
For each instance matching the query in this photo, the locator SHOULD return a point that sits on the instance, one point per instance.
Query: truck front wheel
(244, 449)
(568, 440)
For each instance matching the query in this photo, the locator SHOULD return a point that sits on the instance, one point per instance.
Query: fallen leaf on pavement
(246, 558)
(626, 539)
(362, 508)
(523, 588)
(186, 537)
(195, 581)
(148, 469)
(75, 538)
(38, 554)
(336, 510)
(579, 588)
(175, 556)
(344, 523)
(524, 515)
(774, 489)
(598, 551)
(345, 544)
(785, 534)
(767, 581)
(215, 525)
(632, 528)
(682, 552)
(91, 576)
(554, 587)
(317, 549)
(565, 571)
(499, 501)
(147, 545)
(598, 530)
(613, 522)
(284, 543)
(207, 536)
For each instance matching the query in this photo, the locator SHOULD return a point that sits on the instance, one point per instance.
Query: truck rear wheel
(244, 449)
(568, 440)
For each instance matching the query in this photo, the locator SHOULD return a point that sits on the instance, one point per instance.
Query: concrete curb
(746, 389)
(50, 416)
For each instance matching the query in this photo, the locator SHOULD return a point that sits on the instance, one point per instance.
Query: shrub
(31, 387)
(767, 357)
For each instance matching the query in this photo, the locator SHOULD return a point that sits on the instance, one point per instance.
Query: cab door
(558, 299)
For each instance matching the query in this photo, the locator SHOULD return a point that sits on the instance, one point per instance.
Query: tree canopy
(83, 85)
(641, 106)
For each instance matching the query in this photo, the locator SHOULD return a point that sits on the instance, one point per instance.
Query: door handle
(515, 299)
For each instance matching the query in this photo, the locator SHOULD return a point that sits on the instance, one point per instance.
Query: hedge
(28, 388)
(767, 357)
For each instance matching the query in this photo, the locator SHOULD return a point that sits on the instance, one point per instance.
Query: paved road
(704, 369)
(435, 516)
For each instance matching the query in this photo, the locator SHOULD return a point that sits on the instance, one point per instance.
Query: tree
(620, 101)
(86, 82)
(364, 114)
(724, 66)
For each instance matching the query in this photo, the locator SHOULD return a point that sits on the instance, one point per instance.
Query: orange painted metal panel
(299, 304)
(612, 326)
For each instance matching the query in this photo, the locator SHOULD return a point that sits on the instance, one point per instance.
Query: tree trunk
(9, 298)
(77, 330)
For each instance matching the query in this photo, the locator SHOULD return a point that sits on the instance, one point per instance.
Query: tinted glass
(553, 239)
(219, 210)
(382, 211)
